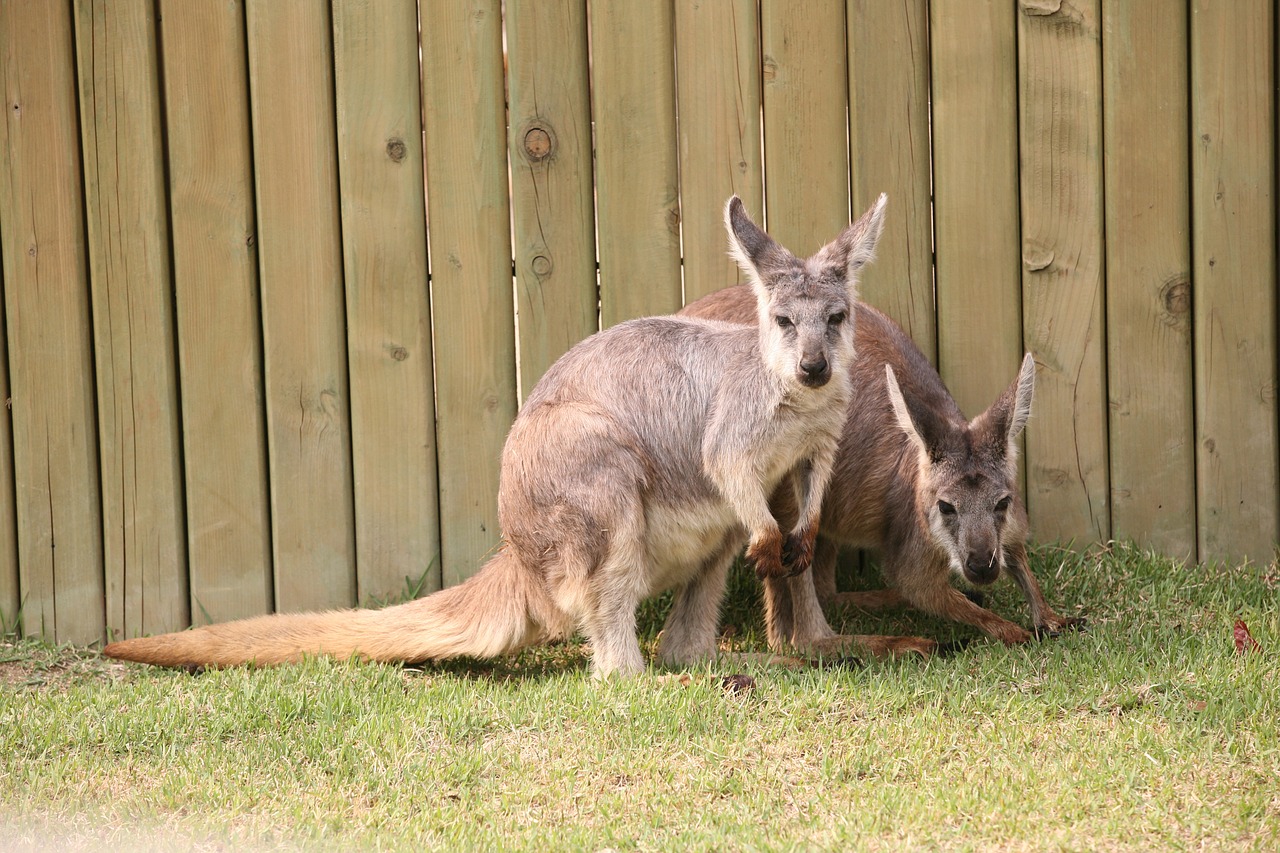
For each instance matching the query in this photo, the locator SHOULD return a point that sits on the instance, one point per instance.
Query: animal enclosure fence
(277, 273)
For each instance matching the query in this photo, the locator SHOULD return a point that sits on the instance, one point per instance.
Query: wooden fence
(250, 364)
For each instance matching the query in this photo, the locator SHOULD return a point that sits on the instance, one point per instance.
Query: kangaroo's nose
(981, 566)
(815, 368)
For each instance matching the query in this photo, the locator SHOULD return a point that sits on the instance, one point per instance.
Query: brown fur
(897, 459)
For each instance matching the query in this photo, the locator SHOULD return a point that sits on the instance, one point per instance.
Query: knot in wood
(396, 149)
(541, 265)
(537, 143)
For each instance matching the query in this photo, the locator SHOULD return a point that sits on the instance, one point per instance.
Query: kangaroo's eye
(783, 322)
(946, 508)
(835, 319)
(1003, 503)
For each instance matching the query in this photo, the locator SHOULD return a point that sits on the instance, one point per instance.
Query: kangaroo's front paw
(1010, 634)
(1053, 625)
(766, 555)
(797, 551)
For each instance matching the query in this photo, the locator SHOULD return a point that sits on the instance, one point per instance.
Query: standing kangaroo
(643, 461)
(934, 493)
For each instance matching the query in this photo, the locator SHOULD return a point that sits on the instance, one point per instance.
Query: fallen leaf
(1244, 640)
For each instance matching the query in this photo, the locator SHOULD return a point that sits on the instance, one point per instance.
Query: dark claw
(952, 646)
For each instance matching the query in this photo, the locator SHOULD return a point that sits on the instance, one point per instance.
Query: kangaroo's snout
(815, 371)
(981, 567)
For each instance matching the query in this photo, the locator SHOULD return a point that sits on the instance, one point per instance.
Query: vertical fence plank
(1233, 180)
(637, 195)
(216, 292)
(471, 286)
(806, 150)
(384, 238)
(718, 88)
(291, 82)
(10, 594)
(889, 142)
(974, 61)
(1062, 255)
(47, 311)
(142, 501)
(1148, 263)
(551, 189)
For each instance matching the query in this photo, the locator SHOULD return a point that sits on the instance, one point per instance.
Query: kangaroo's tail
(500, 609)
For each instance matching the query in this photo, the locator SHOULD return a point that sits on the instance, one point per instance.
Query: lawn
(1148, 730)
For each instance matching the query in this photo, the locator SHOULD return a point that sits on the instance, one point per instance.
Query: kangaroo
(934, 493)
(642, 461)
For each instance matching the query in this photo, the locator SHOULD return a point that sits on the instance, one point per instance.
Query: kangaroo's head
(805, 306)
(967, 488)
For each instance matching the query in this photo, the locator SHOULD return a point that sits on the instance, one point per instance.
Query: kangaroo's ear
(926, 431)
(759, 255)
(1005, 419)
(856, 245)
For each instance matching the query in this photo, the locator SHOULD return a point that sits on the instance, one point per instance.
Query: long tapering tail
(500, 609)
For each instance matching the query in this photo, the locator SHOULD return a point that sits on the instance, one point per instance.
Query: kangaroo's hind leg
(689, 634)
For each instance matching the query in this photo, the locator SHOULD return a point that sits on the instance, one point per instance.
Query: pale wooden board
(471, 284)
(1233, 251)
(143, 521)
(384, 237)
(633, 93)
(551, 180)
(215, 267)
(10, 593)
(47, 310)
(300, 264)
(888, 43)
(719, 101)
(1148, 264)
(1060, 121)
(806, 151)
(974, 68)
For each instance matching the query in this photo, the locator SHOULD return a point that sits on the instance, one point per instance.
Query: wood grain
(1233, 227)
(143, 520)
(215, 276)
(889, 152)
(1148, 263)
(552, 207)
(1060, 120)
(719, 98)
(471, 281)
(633, 91)
(46, 281)
(300, 264)
(384, 239)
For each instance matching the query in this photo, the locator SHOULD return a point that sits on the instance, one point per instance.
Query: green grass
(1146, 731)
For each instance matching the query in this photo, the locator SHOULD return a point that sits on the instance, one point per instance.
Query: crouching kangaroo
(934, 493)
(642, 461)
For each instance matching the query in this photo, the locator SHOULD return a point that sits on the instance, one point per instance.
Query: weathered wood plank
(806, 151)
(42, 243)
(1234, 275)
(889, 142)
(143, 522)
(471, 284)
(215, 270)
(384, 238)
(1148, 264)
(719, 97)
(551, 180)
(300, 264)
(974, 65)
(633, 92)
(10, 592)
(1062, 253)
